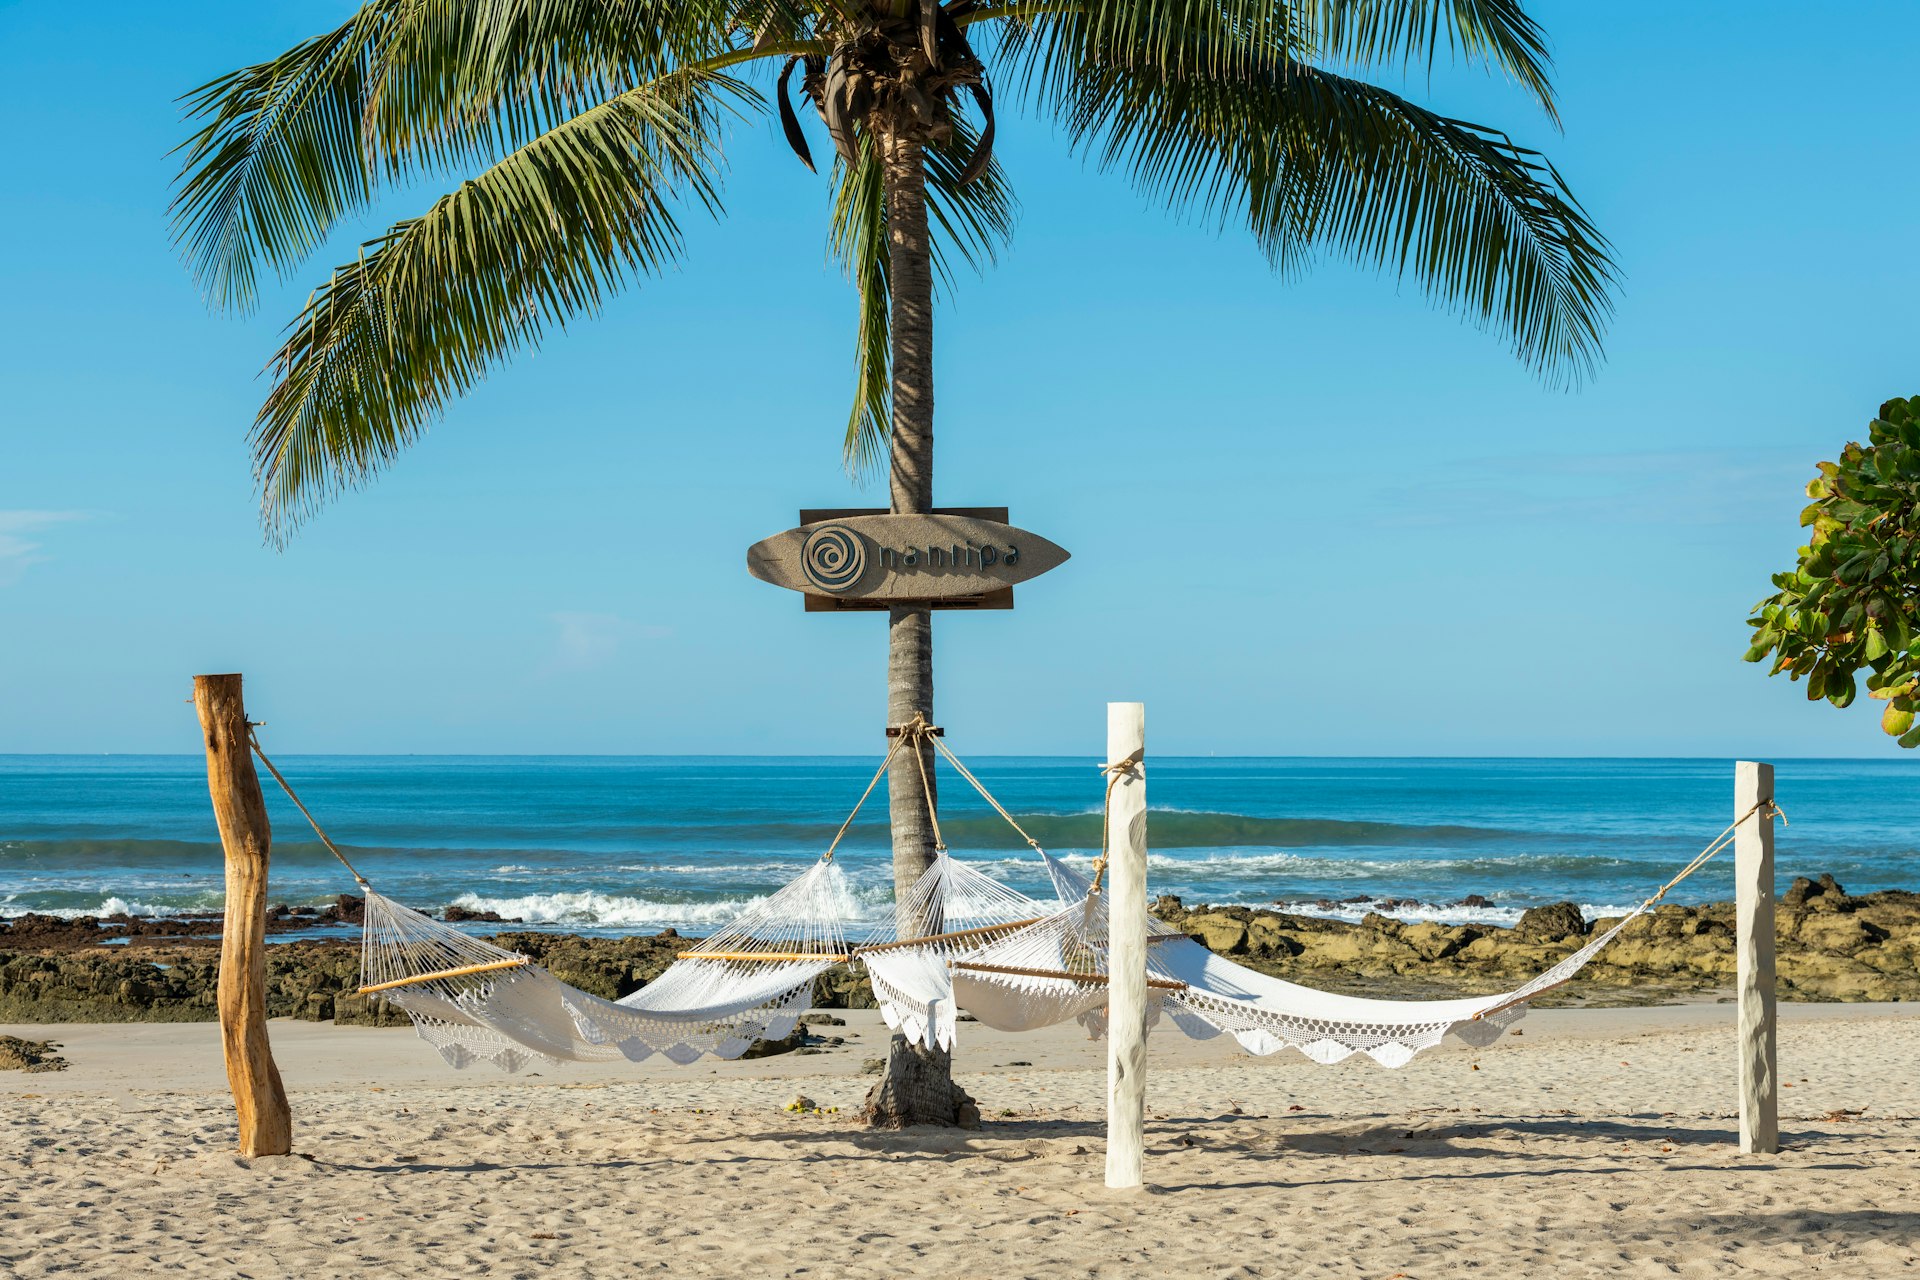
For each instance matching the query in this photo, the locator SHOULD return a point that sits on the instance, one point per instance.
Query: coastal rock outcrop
(1555, 920)
(29, 1055)
(1832, 946)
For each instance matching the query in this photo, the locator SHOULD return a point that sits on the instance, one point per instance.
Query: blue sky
(1313, 517)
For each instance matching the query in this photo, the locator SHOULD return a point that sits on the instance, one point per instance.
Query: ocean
(630, 844)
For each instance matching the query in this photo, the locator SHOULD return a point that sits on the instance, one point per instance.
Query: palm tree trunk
(910, 631)
(917, 1087)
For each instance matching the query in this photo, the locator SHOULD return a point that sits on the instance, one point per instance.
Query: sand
(1596, 1142)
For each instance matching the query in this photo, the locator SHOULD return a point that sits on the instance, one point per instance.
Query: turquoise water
(626, 844)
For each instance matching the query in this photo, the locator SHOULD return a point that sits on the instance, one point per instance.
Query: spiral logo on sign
(833, 558)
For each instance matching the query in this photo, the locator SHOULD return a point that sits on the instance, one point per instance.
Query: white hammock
(1042, 972)
(1266, 1014)
(1054, 969)
(476, 1002)
(952, 909)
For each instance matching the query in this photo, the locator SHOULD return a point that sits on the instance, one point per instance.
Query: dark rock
(30, 1055)
(1474, 900)
(1266, 936)
(348, 908)
(1219, 931)
(1555, 920)
(351, 1010)
(454, 914)
(1824, 892)
(35, 930)
(821, 1020)
(38, 932)
(841, 988)
(792, 1042)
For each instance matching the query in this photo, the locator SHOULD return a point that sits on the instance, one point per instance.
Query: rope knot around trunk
(1131, 766)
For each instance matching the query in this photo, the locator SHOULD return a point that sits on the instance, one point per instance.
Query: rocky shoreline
(1833, 946)
(62, 933)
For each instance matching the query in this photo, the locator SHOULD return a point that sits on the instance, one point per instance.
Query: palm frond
(859, 241)
(467, 81)
(291, 145)
(537, 239)
(1499, 33)
(279, 160)
(971, 218)
(1310, 161)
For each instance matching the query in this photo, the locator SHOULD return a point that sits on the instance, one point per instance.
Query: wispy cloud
(17, 550)
(588, 641)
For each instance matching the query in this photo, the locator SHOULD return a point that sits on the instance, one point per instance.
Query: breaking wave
(112, 905)
(590, 909)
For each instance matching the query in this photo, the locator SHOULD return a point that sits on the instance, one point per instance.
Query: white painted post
(1753, 942)
(1127, 950)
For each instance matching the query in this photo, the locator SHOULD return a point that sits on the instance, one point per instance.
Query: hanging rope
(1701, 859)
(1115, 771)
(986, 795)
(871, 784)
(920, 732)
(253, 740)
(1720, 842)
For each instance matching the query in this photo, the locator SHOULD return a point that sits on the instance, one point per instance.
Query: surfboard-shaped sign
(951, 558)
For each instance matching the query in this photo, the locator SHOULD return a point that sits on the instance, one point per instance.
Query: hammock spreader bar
(950, 936)
(1086, 979)
(460, 972)
(836, 957)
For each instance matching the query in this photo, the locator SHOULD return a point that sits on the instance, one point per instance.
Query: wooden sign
(952, 558)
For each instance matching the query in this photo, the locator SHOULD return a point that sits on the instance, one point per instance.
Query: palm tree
(588, 128)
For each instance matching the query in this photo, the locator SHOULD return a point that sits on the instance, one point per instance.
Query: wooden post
(1127, 950)
(1753, 942)
(266, 1124)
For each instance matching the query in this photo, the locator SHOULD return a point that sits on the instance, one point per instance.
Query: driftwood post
(266, 1125)
(1754, 942)
(1127, 948)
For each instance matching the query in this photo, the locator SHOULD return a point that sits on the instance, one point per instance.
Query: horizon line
(841, 755)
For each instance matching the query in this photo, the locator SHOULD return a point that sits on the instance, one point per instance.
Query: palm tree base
(917, 1088)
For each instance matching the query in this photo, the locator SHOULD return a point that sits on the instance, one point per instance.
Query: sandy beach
(548, 531)
(1592, 1142)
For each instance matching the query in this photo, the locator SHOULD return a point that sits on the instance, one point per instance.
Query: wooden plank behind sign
(952, 558)
(1001, 599)
(815, 515)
